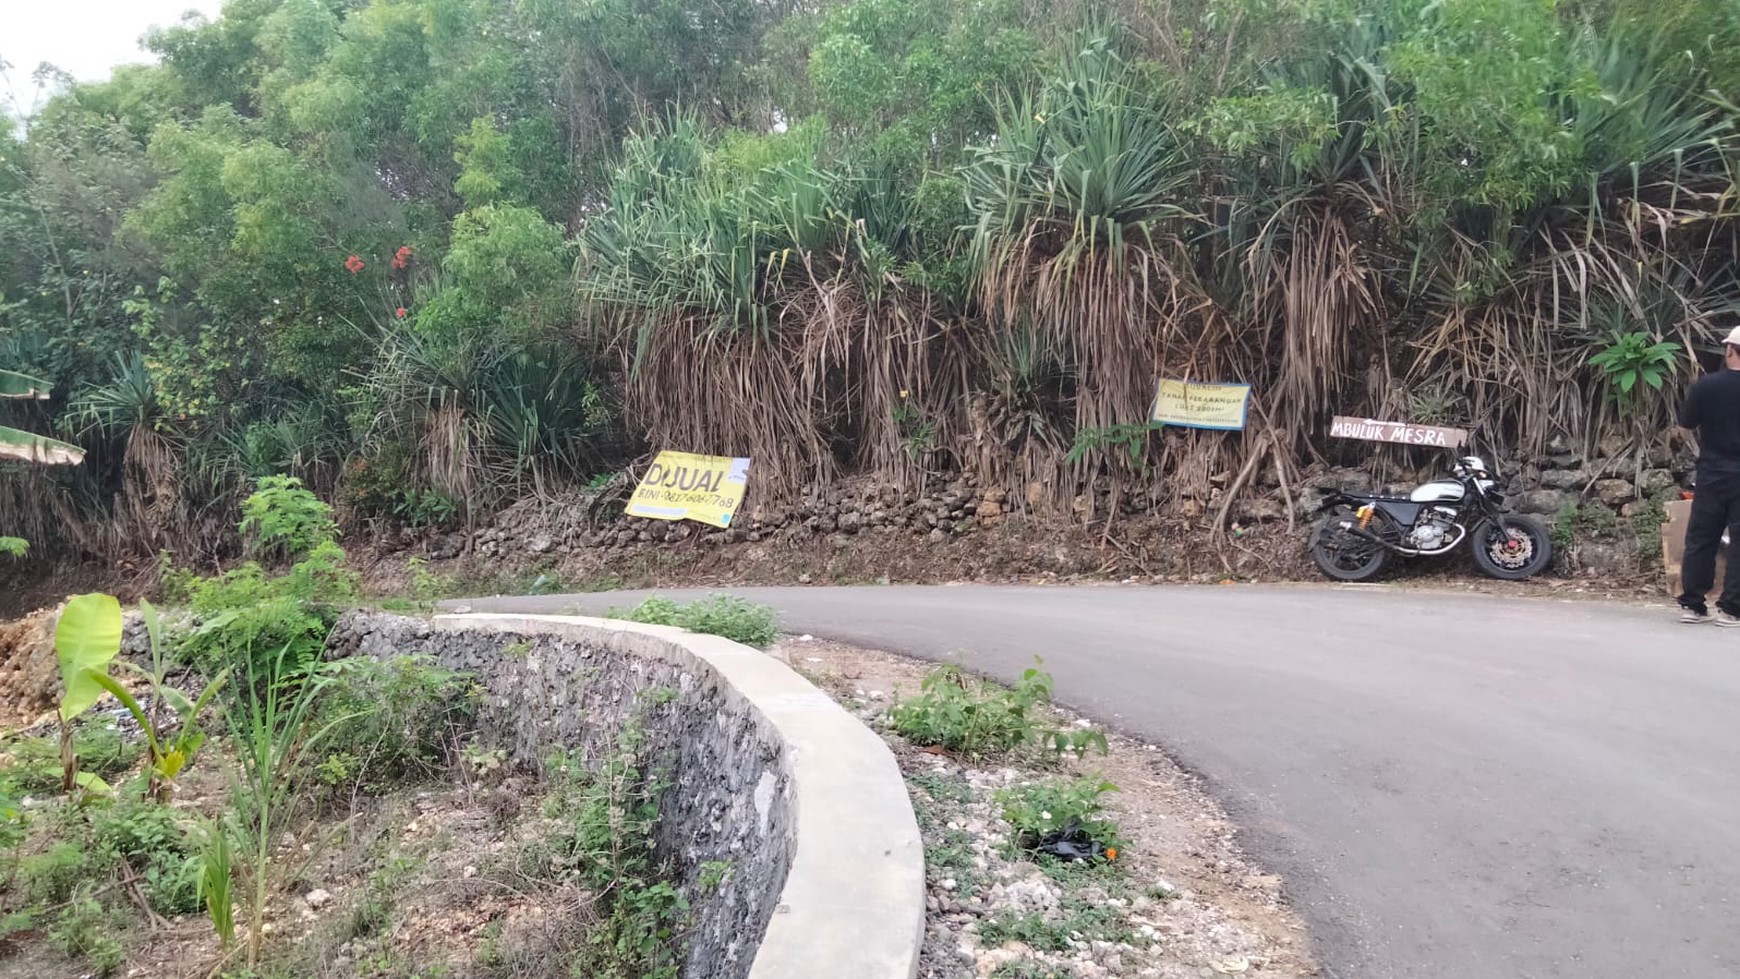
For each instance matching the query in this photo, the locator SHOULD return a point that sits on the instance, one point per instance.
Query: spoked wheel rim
(1511, 548)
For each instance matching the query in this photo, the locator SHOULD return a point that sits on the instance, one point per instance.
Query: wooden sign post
(1401, 433)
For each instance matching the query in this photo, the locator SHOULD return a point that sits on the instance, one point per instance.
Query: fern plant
(284, 517)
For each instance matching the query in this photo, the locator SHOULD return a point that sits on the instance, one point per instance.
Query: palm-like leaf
(16, 385)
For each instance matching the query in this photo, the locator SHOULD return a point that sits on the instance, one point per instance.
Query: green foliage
(719, 615)
(1565, 527)
(152, 840)
(51, 877)
(1646, 524)
(914, 79)
(976, 717)
(1080, 922)
(1131, 438)
(430, 255)
(425, 508)
(387, 722)
(1630, 359)
(14, 546)
(216, 870)
(270, 731)
(607, 845)
(86, 639)
(84, 929)
(1037, 810)
(107, 840)
(33, 764)
(248, 618)
(167, 754)
(283, 517)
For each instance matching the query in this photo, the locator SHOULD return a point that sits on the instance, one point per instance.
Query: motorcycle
(1358, 534)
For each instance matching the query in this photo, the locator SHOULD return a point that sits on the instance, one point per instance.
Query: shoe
(1692, 616)
(1727, 621)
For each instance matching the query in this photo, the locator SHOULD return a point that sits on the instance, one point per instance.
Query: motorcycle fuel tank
(1437, 491)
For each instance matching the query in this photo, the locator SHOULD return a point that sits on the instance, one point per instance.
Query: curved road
(1454, 786)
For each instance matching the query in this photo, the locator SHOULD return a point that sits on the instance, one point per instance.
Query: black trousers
(1715, 508)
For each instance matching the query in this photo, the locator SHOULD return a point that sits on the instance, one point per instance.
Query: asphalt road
(1453, 786)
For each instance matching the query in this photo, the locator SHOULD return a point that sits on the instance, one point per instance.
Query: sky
(84, 37)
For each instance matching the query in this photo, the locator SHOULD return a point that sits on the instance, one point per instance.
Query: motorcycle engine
(1430, 529)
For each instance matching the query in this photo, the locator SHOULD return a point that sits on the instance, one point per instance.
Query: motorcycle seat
(1378, 498)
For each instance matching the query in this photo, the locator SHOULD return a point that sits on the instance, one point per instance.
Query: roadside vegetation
(320, 818)
(1037, 865)
(718, 615)
(429, 256)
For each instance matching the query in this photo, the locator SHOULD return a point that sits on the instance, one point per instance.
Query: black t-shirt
(1713, 408)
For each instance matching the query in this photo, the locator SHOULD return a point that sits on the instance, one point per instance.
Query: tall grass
(270, 732)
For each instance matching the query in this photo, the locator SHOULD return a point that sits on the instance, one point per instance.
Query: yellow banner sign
(684, 486)
(1187, 404)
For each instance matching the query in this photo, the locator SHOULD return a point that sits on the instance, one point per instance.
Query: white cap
(1733, 337)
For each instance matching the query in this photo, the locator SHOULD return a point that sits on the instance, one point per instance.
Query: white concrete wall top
(853, 902)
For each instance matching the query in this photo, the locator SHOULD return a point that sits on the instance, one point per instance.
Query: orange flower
(1111, 853)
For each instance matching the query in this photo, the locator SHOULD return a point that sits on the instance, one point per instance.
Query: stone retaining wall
(1597, 486)
(762, 771)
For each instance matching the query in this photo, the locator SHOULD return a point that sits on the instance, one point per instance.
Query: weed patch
(718, 615)
(1045, 810)
(975, 717)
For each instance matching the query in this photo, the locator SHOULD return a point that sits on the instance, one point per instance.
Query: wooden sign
(1191, 404)
(1402, 433)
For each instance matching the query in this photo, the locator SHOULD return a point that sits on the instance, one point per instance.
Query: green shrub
(33, 763)
(1035, 811)
(51, 877)
(247, 617)
(151, 840)
(975, 717)
(85, 929)
(388, 722)
(284, 518)
(718, 615)
(611, 813)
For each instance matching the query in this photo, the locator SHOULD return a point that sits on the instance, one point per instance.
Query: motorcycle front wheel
(1512, 548)
(1344, 556)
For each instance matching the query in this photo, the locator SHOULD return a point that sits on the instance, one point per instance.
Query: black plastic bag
(1071, 843)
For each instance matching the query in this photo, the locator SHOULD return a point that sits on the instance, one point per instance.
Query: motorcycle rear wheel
(1343, 556)
(1513, 549)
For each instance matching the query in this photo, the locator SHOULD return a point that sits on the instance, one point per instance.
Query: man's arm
(1691, 414)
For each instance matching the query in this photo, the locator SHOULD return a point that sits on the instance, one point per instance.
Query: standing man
(1712, 409)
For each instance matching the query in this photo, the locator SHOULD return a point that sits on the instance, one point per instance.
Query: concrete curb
(852, 906)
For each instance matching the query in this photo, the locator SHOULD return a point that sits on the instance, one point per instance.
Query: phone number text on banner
(685, 486)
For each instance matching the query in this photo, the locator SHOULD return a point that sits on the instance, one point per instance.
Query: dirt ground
(1148, 550)
(1187, 900)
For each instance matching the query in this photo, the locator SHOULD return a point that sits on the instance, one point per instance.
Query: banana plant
(86, 640)
(24, 446)
(167, 756)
